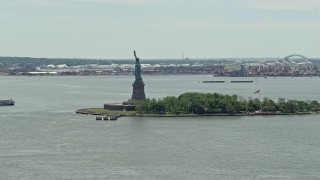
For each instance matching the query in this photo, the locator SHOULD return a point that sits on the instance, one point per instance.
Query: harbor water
(42, 137)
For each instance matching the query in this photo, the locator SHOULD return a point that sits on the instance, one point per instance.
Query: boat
(112, 118)
(106, 118)
(6, 102)
(213, 81)
(241, 81)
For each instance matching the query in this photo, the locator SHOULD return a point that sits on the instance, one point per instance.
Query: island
(192, 104)
(197, 104)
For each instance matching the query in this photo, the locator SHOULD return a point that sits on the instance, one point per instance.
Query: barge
(241, 81)
(7, 102)
(213, 81)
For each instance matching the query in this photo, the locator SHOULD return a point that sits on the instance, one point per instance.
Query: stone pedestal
(138, 91)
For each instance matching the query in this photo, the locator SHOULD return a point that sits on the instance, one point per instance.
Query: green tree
(302, 106)
(314, 106)
(211, 103)
(253, 105)
(292, 106)
(144, 106)
(268, 105)
(282, 105)
(171, 104)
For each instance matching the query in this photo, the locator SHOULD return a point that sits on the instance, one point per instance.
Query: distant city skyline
(112, 29)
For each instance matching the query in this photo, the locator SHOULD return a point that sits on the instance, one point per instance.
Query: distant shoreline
(168, 74)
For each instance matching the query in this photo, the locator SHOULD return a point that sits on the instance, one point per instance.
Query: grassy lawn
(110, 112)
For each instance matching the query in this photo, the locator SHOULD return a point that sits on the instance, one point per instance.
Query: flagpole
(259, 102)
(259, 99)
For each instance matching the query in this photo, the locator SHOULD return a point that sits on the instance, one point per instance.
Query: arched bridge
(296, 55)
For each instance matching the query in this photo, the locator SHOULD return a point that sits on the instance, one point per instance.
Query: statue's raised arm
(137, 68)
(135, 55)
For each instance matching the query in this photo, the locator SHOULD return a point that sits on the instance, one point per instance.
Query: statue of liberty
(137, 69)
(138, 85)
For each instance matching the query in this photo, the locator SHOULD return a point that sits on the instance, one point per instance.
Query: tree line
(214, 103)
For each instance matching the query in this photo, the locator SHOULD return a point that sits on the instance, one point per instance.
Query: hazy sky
(159, 28)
